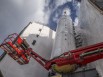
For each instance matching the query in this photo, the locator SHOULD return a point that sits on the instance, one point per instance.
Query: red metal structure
(16, 50)
(20, 51)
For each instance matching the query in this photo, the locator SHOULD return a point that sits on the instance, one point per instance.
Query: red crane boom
(21, 52)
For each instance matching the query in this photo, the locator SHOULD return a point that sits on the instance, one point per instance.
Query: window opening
(34, 41)
(40, 30)
(37, 35)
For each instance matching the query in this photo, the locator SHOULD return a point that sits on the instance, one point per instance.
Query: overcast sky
(16, 14)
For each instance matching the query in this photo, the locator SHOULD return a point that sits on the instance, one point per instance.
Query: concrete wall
(43, 47)
(91, 23)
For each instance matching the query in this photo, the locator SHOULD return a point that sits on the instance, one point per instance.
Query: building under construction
(71, 51)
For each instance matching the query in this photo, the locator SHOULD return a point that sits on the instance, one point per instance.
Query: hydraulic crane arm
(21, 52)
